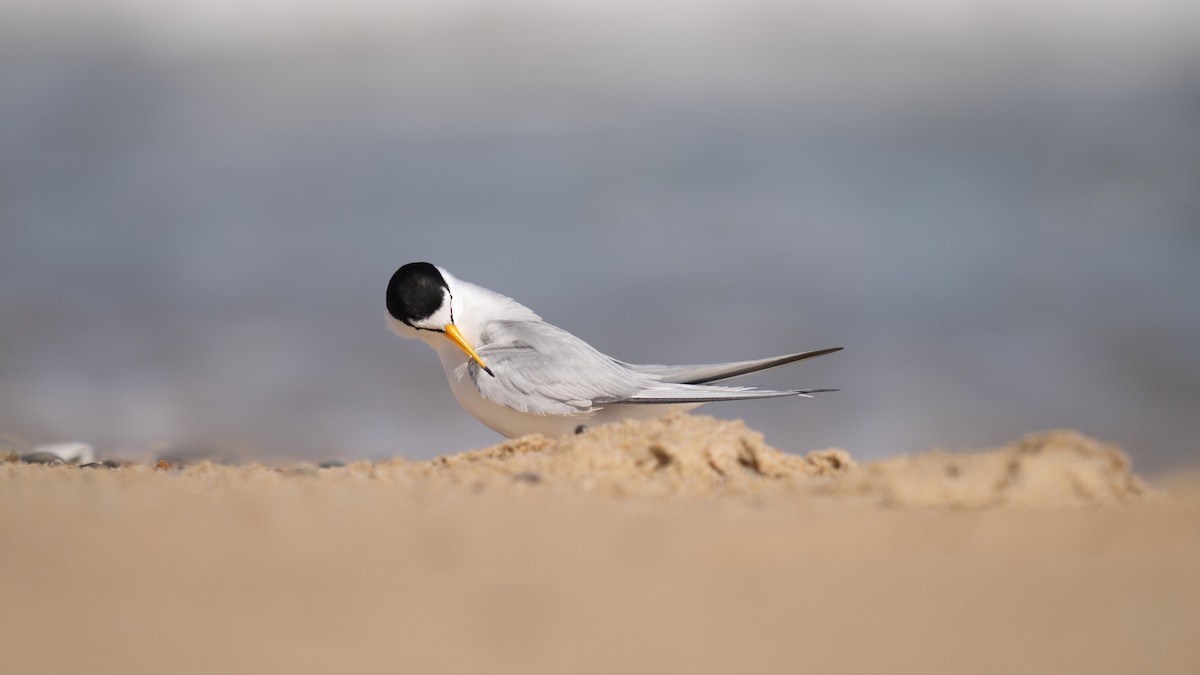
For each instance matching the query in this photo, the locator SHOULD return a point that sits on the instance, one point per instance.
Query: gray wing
(699, 374)
(542, 369)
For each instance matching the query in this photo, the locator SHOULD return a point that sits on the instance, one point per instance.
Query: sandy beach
(683, 545)
(990, 206)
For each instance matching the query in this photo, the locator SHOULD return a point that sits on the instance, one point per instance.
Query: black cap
(415, 292)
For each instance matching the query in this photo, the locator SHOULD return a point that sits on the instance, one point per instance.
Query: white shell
(71, 453)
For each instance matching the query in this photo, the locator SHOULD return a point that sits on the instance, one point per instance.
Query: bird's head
(420, 298)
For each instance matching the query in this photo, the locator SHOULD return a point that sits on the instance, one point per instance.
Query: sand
(683, 545)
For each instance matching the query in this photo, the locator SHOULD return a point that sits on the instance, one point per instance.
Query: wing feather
(683, 393)
(542, 369)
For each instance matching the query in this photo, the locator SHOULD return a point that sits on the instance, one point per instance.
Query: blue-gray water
(994, 206)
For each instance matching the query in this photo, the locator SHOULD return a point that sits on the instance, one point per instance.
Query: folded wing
(544, 370)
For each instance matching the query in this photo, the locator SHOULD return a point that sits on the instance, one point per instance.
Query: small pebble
(106, 464)
(580, 429)
(331, 464)
(531, 477)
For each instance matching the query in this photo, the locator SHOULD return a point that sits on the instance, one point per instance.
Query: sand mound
(698, 455)
(681, 454)
(1055, 468)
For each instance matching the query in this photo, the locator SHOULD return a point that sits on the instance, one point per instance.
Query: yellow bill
(456, 337)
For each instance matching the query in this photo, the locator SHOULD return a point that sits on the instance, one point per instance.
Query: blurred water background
(993, 205)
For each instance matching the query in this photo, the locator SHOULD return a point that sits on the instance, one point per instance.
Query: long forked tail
(700, 374)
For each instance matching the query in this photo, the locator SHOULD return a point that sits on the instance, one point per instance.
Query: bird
(519, 375)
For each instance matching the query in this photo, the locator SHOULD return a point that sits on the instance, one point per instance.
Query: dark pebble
(531, 477)
(42, 458)
(331, 464)
(106, 464)
(580, 429)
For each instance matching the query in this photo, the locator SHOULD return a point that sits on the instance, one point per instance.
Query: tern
(519, 375)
